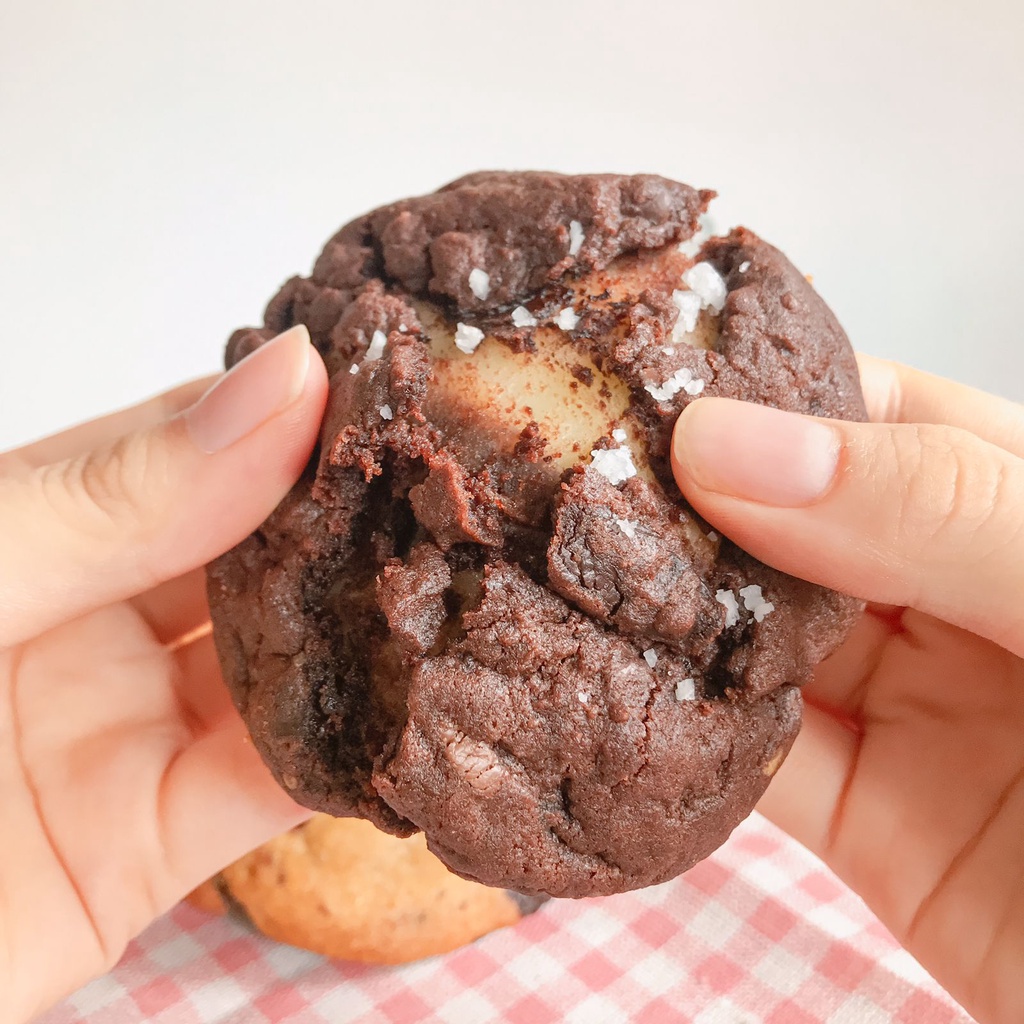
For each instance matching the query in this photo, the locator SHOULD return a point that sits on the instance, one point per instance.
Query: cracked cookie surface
(486, 612)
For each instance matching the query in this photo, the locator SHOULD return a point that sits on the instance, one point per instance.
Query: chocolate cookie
(486, 612)
(344, 889)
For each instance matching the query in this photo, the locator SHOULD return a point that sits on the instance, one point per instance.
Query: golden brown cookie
(340, 887)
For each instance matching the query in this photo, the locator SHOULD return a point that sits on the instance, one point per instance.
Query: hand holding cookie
(127, 777)
(908, 775)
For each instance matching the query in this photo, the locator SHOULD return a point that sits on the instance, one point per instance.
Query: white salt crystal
(386, 413)
(402, 328)
(694, 387)
(567, 319)
(582, 697)
(628, 527)
(522, 317)
(686, 689)
(376, 349)
(575, 237)
(744, 266)
(467, 339)
(354, 368)
(615, 464)
(618, 434)
(692, 245)
(712, 536)
(671, 387)
(651, 656)
(753, 601)
(727, 599)
(705, 281)
(689, 305)
(480, 283)
(669, 351)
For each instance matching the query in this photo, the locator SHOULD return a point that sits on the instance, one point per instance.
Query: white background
(163, 167)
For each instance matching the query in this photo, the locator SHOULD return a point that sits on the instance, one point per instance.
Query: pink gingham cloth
(760, 933)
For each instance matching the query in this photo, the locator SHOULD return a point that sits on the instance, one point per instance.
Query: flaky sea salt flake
(694, 387)
(582, 697)
(727, 599)
(754, 602)
(386, 412)
(567, 319)
(651, 656)
(618, 434)
(670, 388)
(689, 305)
(703, 280)
(628, 527)
(744, 266)
(686, 689)
(467, 339)
(575, 237)
(522, 317)
(480, 283)
(354, 368)
(614, 464)
(376, 349)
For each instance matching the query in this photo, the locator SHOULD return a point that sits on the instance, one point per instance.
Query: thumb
(918, 515)
(115, 521)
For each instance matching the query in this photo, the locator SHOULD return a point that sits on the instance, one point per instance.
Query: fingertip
(754, 453)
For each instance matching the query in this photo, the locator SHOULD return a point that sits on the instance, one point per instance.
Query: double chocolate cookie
(486, 612)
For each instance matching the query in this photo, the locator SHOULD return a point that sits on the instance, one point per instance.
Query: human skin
(907, 777)
(127, 777)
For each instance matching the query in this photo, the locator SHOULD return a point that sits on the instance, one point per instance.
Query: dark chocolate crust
(438, 631)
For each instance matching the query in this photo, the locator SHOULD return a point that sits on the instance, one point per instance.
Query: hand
(126, 776)
(908, 775)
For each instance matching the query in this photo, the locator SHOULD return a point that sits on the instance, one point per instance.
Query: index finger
(98, 432)
(895, 393)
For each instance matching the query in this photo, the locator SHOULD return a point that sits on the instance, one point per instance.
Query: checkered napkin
(760, 933)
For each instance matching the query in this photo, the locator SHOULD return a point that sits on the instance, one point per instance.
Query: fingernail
(755, 453)
(261, 385)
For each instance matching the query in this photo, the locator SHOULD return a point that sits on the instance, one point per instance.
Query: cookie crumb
(614, 464)
(575, 237)
(480, 283)
(727, 599)
(703, 280)
(467, 339)
(651, 656)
